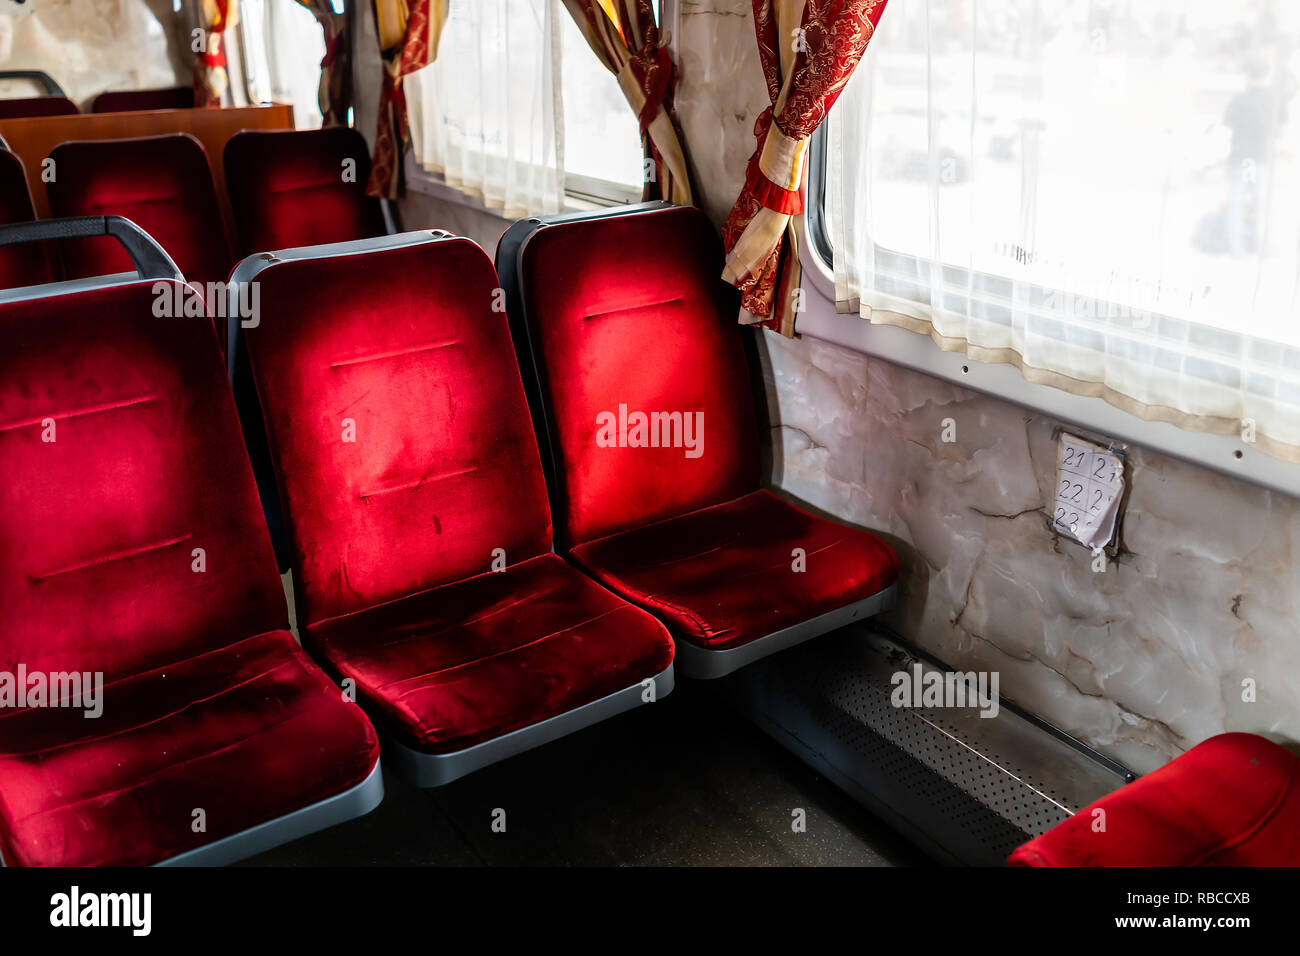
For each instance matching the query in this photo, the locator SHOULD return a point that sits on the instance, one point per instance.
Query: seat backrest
(24, 106)
(161, 183)
(130, 531)
(122, 101)
(292, 188)
(626, 317)
(25, 264)
(396, 419)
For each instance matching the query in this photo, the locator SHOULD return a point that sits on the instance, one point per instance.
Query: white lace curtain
(487, 114)
(280, 47)
(1106, 195)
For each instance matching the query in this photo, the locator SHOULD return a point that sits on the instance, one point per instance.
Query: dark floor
(685, 781)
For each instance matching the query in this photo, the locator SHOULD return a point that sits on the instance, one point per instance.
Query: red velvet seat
(417, 511)
(131, 546)
(1233, 800)
(720, 575)
(161, 183)
(210, 731)
(166, 98)
(288, 188)
(27, 264)
(472, 660)
(624, 315)
(24, 106)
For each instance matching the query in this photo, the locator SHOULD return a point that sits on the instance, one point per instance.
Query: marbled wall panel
(89, 46)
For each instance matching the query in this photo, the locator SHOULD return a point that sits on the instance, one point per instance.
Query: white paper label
(1089, 488)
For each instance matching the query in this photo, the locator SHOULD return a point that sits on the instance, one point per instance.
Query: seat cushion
(467, 662)
(246, 733)
(1233, 800)
(724, 576)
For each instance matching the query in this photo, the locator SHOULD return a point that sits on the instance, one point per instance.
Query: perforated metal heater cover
(967, 789)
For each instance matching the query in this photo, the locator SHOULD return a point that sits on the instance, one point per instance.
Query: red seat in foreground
(647, 402)
(1233, 800)
(133, 556)
(417, 512)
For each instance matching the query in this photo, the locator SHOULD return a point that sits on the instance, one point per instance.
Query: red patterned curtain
(336, 70)
(210, 77)
(808, 50)
(408, 41)
(625, 37)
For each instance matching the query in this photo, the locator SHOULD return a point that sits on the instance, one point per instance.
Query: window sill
(420, 180)
(1226, 454)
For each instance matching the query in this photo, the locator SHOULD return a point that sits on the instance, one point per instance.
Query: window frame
(1226, 454)
(580, 192)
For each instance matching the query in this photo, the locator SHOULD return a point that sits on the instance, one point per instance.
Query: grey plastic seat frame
(47, 82)
(153, 264)
(694, 661)
(428, 770)
(354, 802)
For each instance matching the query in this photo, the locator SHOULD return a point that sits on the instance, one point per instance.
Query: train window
(518, 112)
(287, 71)
(602, 143)
(994, 179)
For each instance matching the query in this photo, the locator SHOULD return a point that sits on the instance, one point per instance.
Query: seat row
(286, 188)
(113, 101)
(502, 527)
